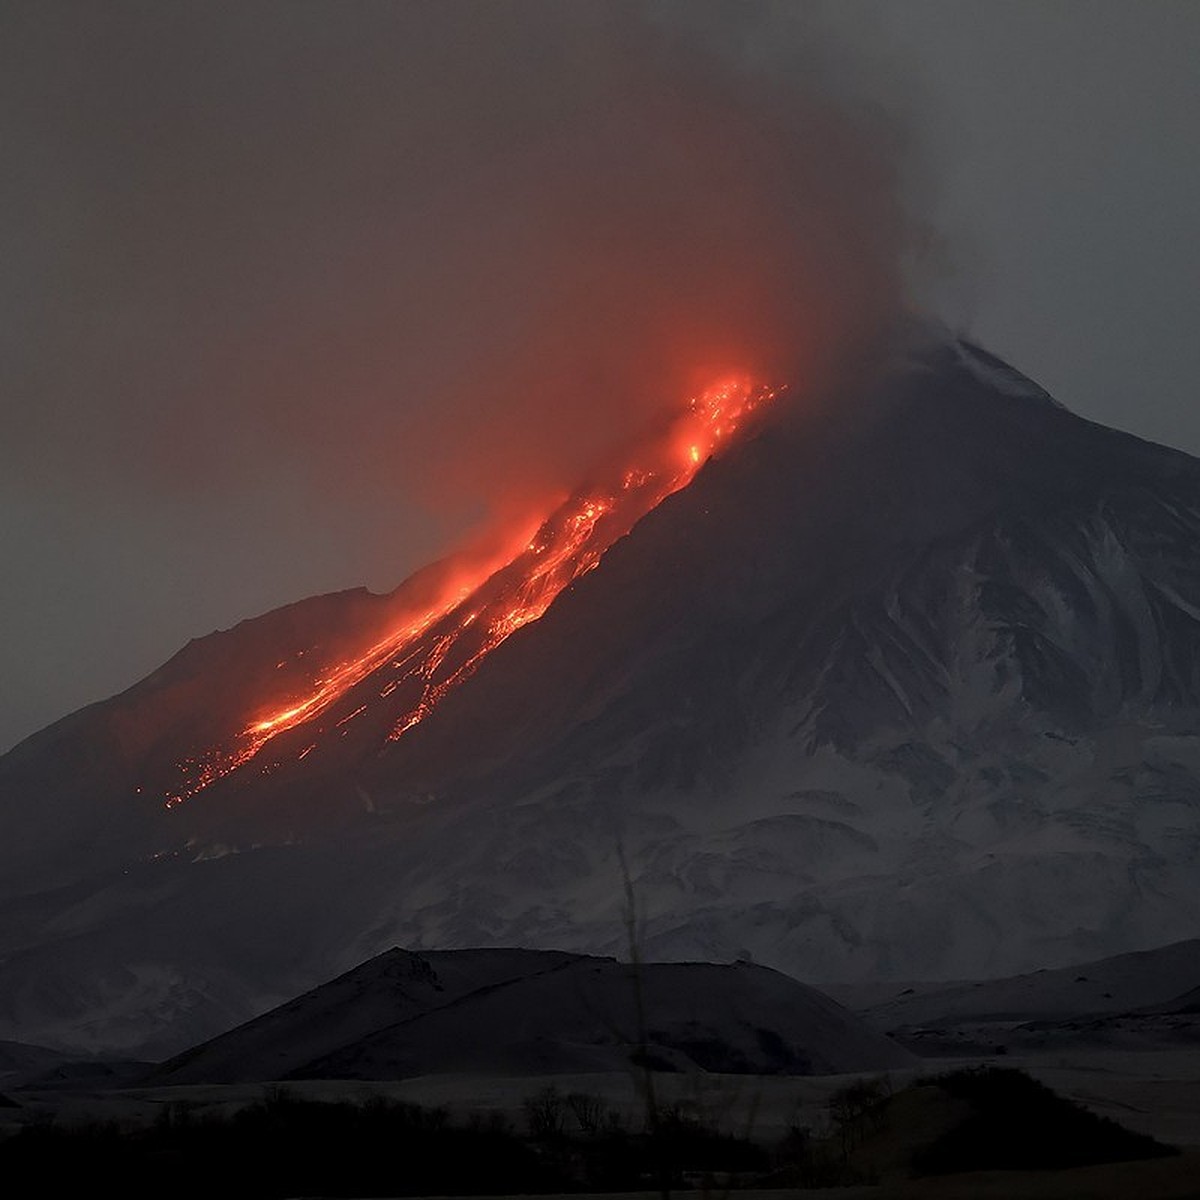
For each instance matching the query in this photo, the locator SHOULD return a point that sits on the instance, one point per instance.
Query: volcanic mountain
(901, 682)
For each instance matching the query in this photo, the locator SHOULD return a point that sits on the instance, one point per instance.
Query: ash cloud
(397, 268)
(419, 241)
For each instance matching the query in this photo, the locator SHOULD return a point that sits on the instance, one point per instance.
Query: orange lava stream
(436, 650)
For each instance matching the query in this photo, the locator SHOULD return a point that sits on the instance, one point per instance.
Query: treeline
(286, 1145)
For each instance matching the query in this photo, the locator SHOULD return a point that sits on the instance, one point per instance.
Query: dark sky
(295, 295)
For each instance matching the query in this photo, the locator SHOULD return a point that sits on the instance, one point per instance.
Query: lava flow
(432, 652)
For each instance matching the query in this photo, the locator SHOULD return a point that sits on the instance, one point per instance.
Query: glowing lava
(418, 664)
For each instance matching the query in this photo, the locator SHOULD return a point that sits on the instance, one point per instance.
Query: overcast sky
(296, 293)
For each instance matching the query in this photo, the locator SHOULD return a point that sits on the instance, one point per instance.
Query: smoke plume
(455, 247)
(398, 267)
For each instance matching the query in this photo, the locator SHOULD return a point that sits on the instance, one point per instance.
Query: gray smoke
(297, 293)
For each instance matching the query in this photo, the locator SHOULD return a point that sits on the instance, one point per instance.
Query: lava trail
(419, 663)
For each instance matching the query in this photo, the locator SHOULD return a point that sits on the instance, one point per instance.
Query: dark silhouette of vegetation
(858, 1109)
(806, 1159)
(282, 1146)
(1017, 1123)
(591, 1112)
(587, 1143)
(288, 1146)
(546, 1114)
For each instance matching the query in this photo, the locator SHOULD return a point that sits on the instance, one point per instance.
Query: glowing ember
(421, 662)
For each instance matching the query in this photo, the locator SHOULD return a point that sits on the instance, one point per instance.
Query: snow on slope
(1144, 979)
(919, 697)
(905, 686)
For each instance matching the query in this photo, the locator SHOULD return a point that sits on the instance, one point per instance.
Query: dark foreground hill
(525, 1012)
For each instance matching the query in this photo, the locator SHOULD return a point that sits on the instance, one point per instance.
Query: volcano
(901, 681)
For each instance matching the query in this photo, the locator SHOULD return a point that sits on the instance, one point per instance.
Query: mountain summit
(903, 683)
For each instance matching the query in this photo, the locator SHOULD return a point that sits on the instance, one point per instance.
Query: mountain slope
(1154, 980)
(905, 684)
